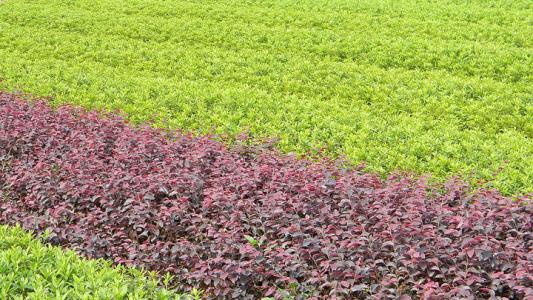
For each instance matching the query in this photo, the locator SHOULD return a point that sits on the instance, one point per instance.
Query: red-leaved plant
(255, 223)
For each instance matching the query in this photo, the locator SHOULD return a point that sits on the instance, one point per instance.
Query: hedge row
(33, 271)
(248, 223)
(438, 87)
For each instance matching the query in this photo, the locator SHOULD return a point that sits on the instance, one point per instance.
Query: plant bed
(434, 87)
(30, 269)
(252, 223)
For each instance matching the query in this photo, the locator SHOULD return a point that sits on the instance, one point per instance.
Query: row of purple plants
(247, 223)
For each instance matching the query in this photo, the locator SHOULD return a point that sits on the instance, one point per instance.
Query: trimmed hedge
(31, 270)
(432, 87)
(247, 222)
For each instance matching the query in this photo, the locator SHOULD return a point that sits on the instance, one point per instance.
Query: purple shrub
(245, 225)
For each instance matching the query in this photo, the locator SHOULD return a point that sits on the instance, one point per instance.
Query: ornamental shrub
(248, 222)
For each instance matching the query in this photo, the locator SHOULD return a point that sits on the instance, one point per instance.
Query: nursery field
(246, 223)
(444, 88)
(154, 149)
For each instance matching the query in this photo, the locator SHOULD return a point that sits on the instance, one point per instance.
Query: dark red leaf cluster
(246, 224)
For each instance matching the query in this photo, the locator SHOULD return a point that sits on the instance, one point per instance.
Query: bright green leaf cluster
(440, 87)
(32, 270)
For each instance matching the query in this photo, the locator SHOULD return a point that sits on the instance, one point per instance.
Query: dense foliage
(247, 222)
(440, 87)
(31, 270)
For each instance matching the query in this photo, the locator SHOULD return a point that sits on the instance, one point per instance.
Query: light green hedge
(440, 87)
(31, 270)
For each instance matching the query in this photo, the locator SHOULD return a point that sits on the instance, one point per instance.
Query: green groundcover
(438, 87)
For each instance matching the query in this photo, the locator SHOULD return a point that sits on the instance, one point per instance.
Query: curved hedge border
(249, 223)
(31, 270)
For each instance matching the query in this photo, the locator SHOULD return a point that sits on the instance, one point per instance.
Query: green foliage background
(32, 270)
(440, 87)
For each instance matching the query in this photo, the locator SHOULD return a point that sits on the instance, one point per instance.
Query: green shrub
(432, 87)
(32, 270)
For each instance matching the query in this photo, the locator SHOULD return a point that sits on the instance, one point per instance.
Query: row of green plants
(31, 269)
(442, 88)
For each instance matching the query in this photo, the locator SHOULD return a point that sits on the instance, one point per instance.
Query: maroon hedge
(248, 223)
